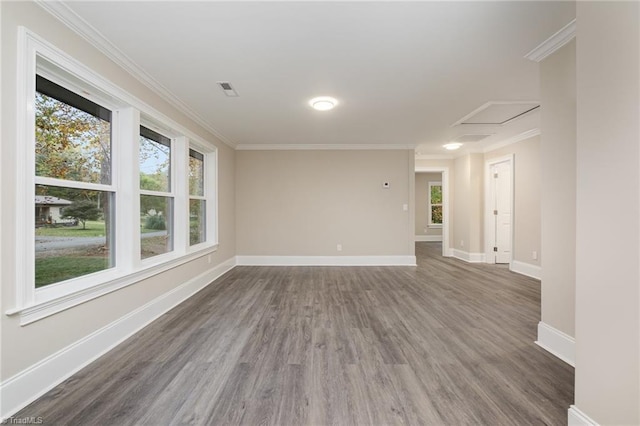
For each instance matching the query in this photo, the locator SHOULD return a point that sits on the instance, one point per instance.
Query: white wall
(608, 213)
(558, 196)
(305, 203)
(23, 346)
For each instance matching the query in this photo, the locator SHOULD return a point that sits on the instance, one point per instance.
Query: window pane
(71, 143)
(156, 221)
(436, 214)
(196, 173)
(197, 221)
(74, 233)
(155, 161)
(436, 194)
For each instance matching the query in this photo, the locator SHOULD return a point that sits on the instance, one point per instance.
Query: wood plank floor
(446, 343)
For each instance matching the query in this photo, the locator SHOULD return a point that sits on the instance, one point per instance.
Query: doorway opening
(432, 206)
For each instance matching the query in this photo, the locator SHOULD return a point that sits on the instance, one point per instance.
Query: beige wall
(558, 214)
(461, 204)
(468, 225)
(22, 346)
(526, 193)
(304, 203)
(422, 204)
(608, 180)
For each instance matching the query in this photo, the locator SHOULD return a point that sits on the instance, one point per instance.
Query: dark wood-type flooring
(446, 343)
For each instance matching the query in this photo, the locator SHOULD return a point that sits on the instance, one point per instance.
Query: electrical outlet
(461, 243)
(339, 247)
(534, 255)
(425, 230)
(209, 259)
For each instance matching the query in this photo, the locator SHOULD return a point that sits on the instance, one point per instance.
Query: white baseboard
(578, 418)
(527, 269)
(468, 257)
(557, 343)
(33, 382)
(326, 260)
(429, 238)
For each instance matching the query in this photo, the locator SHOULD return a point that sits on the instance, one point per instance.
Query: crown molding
(517, 138)
(71, 19)
(321, 147)
(553, 43)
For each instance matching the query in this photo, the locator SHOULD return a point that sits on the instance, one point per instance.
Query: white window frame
(166, 194)
(33, 304)
(430, 223)
(205, 197)
(210, 193)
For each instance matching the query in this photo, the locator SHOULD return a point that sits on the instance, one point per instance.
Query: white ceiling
(403, 72)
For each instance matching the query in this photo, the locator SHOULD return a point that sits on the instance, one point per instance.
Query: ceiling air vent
(228, 89)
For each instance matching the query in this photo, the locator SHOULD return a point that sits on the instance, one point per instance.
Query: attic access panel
(497, 113)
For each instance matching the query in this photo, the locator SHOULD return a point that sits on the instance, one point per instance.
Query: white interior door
(502, 214)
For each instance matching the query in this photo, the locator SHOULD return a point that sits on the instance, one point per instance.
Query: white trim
(430, 223)
(575, 417)
(556, 343)
(553, 43)
(488, 213)
(35, 381)
(446, 222)
(429, 238)
(34, 304)
(68, 17)
(321, 147)
(468, 257)
(45, 308)
(533, 271)
(326, 260)
(517, 138)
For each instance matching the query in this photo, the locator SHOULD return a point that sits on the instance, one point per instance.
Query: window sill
(435, 226)
(40, 310)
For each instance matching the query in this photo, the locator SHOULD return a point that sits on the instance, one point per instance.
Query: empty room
(315, 213)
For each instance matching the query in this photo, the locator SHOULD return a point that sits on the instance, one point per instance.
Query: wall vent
(228, 89)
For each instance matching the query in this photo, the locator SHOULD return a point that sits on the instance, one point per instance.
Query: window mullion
(126, 178)
(211, 194)
(180, 179)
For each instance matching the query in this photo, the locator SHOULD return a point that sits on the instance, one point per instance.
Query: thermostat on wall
(385, 185)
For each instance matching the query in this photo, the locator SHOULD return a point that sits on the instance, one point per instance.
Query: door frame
(488, 211)
(446, 250)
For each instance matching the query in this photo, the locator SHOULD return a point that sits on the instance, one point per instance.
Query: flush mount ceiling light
(323, 103)
(452, 146)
